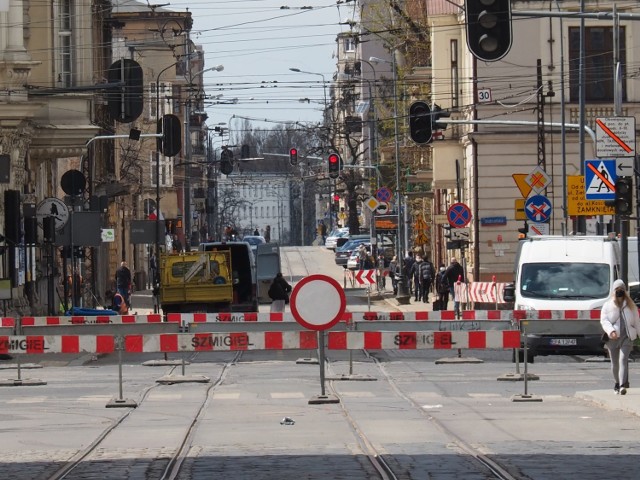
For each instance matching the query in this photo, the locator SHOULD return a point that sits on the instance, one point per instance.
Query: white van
(564, 273)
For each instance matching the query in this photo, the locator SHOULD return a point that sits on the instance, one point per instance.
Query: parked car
(254, 241)
(343, 253)
(332, 238)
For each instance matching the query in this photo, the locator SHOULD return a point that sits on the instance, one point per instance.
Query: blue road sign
(538, 209)
(384, 194)
(600, 179)
(459, 215)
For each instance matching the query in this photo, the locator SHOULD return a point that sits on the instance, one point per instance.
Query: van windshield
(565, 280)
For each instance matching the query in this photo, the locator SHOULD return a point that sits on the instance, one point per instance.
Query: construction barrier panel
(91, 319)
(304, 340)
(7, 326)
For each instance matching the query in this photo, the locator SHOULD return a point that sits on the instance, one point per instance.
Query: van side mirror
(509, 292)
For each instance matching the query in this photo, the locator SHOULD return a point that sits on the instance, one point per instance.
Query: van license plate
(563, 341)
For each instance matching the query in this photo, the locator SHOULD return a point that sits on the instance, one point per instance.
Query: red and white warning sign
(318, 302)
(366, 277)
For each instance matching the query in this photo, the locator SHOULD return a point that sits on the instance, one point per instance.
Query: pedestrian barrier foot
(171, 379)
(23, 366)
(121, 403)
(163, 363)
(22, 382)
(526, 398)
(403, 300)
(323, 399)
(307, 361)
(517, 377)
(353, 377)
(458, 360)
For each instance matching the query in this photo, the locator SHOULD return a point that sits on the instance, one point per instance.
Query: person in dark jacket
(442, 288)
(453, 271)
(406, 271)
(123, 282)
(279, 292)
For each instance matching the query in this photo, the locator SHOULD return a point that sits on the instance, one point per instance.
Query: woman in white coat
(619, 319)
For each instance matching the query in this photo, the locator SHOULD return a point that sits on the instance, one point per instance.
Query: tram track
(73, 468)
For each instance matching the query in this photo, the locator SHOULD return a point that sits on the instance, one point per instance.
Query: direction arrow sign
(460, 233)
(365, 277)
(624, 167)
(538, 208)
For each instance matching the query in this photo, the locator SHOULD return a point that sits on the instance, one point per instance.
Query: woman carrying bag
(620, 322)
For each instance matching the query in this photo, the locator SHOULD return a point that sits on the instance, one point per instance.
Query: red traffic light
(336, 197)
(335, 165)
(293, 156)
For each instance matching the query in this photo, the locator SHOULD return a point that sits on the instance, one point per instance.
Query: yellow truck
(196, 282)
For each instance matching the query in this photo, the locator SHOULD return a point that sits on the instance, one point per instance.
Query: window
(349, 44)
(455, 82)
(166, 170)
(65, 43)
(163, 98)
(598, 64)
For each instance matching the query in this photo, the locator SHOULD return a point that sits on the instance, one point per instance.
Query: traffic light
(335, 165)
(488, 28)
(170, 143)
(438, 113)
(293, 156)
(125, 102)
(447, 231)
(226, 161)
(624, 196)
(420, 127)
(522, 232)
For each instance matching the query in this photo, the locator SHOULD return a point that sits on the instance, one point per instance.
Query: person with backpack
(407, 268)
(417, 272)
(442, 289)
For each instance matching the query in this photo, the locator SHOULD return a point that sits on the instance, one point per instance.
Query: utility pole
(187, 151)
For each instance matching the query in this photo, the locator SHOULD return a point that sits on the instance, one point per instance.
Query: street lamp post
(188, 150)
(158, 118)
(402, 285)
(324, 120)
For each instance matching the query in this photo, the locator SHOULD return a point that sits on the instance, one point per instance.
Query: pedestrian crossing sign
(600, 179)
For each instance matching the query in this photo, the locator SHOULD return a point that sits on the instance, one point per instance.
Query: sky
(257, 42)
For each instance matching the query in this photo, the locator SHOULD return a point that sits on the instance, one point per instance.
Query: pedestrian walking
(380, 265)
(267, 234)
(442, 288)
(393, 269)
(279, 293)
(620, 321)
(453, 272)
(123, 282)
(416, 275)
(407, 265)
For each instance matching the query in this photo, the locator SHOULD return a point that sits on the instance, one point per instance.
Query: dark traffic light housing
(420, 127)
(293, 156)
(489, 34)
(226, 161)
(624, 196)
(170, 143)
(125, 102)
(335, 165)
(522, 232)
(437, 114)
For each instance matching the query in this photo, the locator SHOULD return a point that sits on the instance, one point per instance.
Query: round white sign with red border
(318, 302)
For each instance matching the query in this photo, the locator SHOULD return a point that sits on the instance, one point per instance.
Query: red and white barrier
(7, 322)
(486, 292)
(302, 340)
(186, 318)
(498, 339)
(90, 319)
